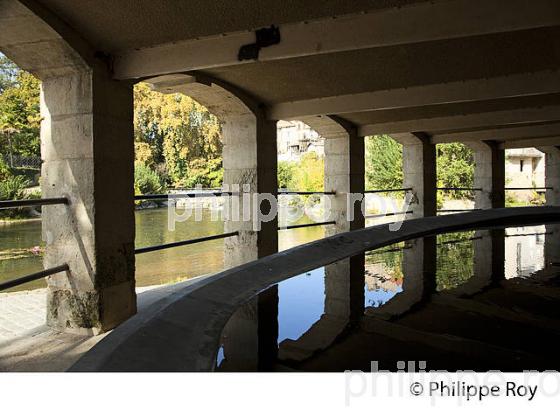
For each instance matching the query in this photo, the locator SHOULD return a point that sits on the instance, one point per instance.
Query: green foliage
(176, 131)
(4, 170)
(383, 163)
(13, 188)
(146, 180)
(310, 173)
(19, 111)
(286, 174)
(455, 168)
(203, 172)
(454, 259)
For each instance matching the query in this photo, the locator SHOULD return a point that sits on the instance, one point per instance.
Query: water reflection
(406, 298)
(18, 242)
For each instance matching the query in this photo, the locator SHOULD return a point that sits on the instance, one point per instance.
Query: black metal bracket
(266, 37)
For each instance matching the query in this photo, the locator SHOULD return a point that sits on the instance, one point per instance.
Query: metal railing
(167, 197)
(306, 193)
(388, 214)
(33, 276)
(458, 189)
(458, 210)
(377, 191)
(23, 203)
(306, 225)
(184, 243)
(545, 188)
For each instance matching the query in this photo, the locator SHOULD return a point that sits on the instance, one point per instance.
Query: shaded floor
(27, 344)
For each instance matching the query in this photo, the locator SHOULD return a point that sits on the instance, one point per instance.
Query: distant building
(524, 168)
(295, 139)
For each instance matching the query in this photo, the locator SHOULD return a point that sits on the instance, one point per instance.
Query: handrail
(375, 191)
(306, 225)
(184, 243)
(22, 203)
(166, 197)
(388, 214)
(459, 210)
(544, 188)
(458, 189)
(306, 193)
(33, 276)
(205, 307)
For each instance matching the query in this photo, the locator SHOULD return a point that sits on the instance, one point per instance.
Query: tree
(20, 119)
(455, 168)
(180, 133)
(310, 173)
(383, 163)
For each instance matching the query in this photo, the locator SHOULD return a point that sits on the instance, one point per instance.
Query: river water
(17, 256)
(18, 240)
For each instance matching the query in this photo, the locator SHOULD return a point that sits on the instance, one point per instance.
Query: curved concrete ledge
(181, 332)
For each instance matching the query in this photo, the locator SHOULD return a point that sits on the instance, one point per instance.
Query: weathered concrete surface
(27, 344)
(489, 174)
(419, 173)
(182, 331)
(88, 153)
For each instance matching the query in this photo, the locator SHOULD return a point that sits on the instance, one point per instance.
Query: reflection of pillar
(419, 173)
(344, 174)
(344, 280)
(552, 180)
(489, 174)
(250, 160)
(419, 277)
(250, 338)
(87, 145)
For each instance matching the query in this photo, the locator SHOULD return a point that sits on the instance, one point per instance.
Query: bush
(146, 181)
(4, 170)
(13, 188)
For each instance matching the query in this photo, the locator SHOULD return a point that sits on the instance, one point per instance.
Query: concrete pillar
(552, 180)
(250, 162)
(489, 174)
(87, 144)
(345, 175)
(419, 173)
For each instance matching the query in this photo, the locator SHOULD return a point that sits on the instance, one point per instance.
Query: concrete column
(552, 180)
(489, 174)
(87, 144)
(345, 175)
(419, 173)
(250, 162)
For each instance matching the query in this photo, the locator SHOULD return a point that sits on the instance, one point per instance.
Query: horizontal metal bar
(389, 214)
(32, 202)
(375, 191)
(34, 276)
(527, 234)
(458, 189)
(166, 197)
(307, 225)
(305, 193)
(546, 188)
(459, 210)
(184, 243)
(399, 249)
(474, 238)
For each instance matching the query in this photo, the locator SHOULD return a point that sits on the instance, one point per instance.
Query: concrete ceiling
(113, 25)
(450, 68)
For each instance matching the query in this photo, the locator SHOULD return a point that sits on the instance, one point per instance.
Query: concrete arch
(39, 42)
